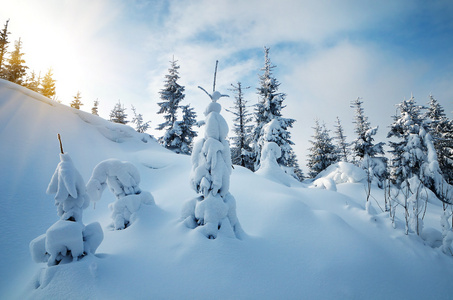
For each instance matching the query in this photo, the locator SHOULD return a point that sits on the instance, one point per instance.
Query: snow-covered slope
(300, 242)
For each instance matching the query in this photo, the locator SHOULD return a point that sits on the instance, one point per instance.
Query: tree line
(13, 68)
(251, 130)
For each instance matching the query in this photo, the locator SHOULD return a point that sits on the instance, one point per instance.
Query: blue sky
(327, 53)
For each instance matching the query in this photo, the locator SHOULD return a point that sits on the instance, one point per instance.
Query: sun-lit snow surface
(299, 242)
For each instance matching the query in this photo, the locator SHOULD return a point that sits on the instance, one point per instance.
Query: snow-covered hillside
(300, 242)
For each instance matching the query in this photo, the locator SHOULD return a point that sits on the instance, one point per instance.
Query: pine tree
(322, 153)
(15, 70)
(186, 125)
(441, 129)
(68, 240)
(32, 82)
(48, 85)
(94, 109)
(241, 150)
(414, 166)
(342, 145)
(269, 108)
(76, 103)
(365, 150)
(3, 46)
(140, 125)
(213, 212)
(172, 94)
(118, 114)
(294, 168)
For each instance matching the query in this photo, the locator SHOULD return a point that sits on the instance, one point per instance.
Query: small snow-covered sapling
(123, 179)
(214, 211)
(68, 239)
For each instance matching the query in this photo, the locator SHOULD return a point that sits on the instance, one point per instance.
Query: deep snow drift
(299, 241)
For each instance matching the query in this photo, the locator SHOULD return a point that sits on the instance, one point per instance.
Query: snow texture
(215, 211)
(123, 180)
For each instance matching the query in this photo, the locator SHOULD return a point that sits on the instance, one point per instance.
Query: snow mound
(324, 183)
(343, 172)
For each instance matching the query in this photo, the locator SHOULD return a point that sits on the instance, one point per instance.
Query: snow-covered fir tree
(48, 85)
(68, 239)
(3, 47)
(343, 147)
(322, 152)
(171, 95)
(365, 150)
(94, 109)
(140, 125)
(189, 119)
(118, 114)
(213, 213)
(441, 129)
(76, 103)
(414, 166)
(123, 180)
(294, 169)
(268, 109)
(15, 69)
(241, 149)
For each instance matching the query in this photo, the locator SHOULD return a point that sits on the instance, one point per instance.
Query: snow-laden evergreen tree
(273, 132)
(189, 119)
(441, 129)
(94, 109)
(241, 151)
(33, 82)
(68, 239)
(123, 179)
(48, 85)
(171, 95)
(212, 213)
(118, 114)
(140, 125)
(15, 69)
(342, 145)
(365, 150)
(294, 168)
(76, 103)
(322, 152)
(268, 109)
(3, 47)
(414, 166)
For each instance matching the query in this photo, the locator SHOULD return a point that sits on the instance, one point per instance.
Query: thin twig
(61, 145)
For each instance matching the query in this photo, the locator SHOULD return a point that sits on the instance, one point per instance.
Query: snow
(297, 243)
(343, 172)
